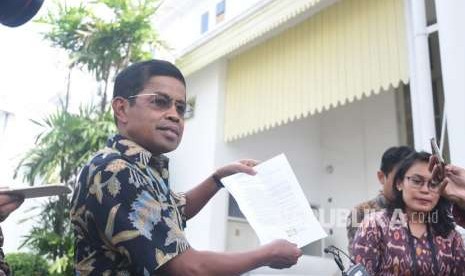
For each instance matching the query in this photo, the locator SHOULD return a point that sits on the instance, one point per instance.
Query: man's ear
(381, 177)
(120, 108)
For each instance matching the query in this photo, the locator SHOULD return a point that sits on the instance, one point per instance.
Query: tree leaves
(67, 142)
(104, 44)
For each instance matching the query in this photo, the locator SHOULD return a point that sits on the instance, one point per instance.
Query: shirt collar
(137, 154)
(382, 201)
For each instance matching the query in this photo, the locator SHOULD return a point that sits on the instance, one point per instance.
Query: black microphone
(334, 248)
(331, 250)
(354, 270)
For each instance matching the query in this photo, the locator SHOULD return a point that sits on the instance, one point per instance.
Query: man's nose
(172, 114)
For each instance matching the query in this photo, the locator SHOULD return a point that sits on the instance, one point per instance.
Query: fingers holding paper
(9, 203)
(282, 254)
(241, 166)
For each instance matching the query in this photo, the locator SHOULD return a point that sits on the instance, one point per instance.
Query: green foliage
(27, 264)
(67, 142)
(105, 43)
(65, 145)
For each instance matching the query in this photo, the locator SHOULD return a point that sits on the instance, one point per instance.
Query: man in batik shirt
(126, 218)
(390, 159)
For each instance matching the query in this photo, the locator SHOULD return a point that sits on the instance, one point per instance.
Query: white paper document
(274, 204)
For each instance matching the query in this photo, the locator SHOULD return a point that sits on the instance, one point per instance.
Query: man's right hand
(9, 203)
(277, 254)
(454, 185)
(282, 254)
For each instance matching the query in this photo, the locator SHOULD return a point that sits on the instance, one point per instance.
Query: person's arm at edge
(197, 197)
(458, 254)
(351, 230)
(278, 254)
(453, 188)
(9, 203)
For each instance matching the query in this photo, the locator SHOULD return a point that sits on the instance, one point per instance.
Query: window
(4, 117)
(404, 115)
(3, 121)
(436, 77)
(204, 23)
(438, 92)
(190, 108)
(430, 7)
(233, 210)
(220, 10)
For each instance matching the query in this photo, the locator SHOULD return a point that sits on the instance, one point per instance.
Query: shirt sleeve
(351, 230)
(366, 247)
(354, 219)
(134, 218)
(180, 201)
(459, 215)
(458, 253)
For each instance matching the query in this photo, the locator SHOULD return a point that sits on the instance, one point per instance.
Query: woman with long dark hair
(415, 235)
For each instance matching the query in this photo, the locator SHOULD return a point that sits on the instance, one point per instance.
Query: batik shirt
(4, 268)
(356, 216)
(126, 219)
(384, 249)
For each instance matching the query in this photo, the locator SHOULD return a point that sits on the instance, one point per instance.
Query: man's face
(156, 128)
(387, 182)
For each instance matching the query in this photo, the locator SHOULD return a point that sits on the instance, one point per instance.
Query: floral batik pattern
(126, 219)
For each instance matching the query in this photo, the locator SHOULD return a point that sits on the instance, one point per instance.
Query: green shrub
(27, 264)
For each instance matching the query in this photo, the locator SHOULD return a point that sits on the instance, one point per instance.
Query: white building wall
(353, 138)
(193, 161)
(179, 21)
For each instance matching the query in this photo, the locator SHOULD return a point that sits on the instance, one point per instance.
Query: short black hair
(393, 156)
(132, 79)
(444, 224)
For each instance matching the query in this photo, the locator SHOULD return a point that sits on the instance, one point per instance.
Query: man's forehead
(165, 81)
(168, 85)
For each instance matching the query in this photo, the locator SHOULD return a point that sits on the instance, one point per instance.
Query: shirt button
(165, 173)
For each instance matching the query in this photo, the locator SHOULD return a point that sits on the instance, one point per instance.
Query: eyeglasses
(418, 182)
(162, 101)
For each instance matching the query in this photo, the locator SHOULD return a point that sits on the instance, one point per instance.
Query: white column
(451, 25)
(420, 75)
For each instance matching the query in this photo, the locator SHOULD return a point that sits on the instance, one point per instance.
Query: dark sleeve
(351, 230)
(459, 215)
(354, 219)
(4, 268)
(366, 247)
(133, 218)
(458, 253)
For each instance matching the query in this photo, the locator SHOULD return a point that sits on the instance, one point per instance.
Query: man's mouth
(173, 130)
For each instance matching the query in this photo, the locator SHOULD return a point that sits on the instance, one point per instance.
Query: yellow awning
(239, 32)
(351, 49)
